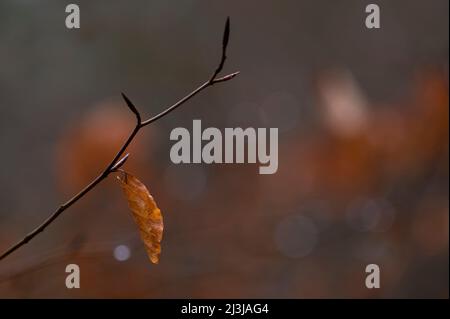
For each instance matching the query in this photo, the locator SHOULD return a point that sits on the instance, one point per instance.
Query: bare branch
(118, 160)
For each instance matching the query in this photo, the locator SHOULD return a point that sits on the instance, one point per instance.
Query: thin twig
(118, 160)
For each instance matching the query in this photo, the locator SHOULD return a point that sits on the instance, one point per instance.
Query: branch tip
(120, 163)
(132, 107)
(225, 78)
(226, 34)
(225, 39)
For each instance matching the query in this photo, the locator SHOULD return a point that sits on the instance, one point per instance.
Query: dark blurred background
(363, 148)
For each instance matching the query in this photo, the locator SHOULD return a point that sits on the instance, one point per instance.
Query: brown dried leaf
(146, 214)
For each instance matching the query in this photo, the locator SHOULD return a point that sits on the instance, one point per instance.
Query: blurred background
(363, 148)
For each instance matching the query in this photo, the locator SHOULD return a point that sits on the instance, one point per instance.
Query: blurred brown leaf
(89, 143)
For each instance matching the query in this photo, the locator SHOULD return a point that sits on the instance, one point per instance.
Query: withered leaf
(145, 213)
